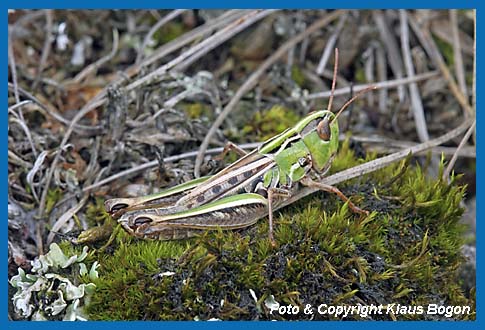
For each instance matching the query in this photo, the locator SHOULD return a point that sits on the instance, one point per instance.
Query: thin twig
(381, 76)
(17, 160)
(66, 137)
(18, 105)
(26, 129)
(253, 79)
(65, 217)
(383, 145)
(383, 84)
(446, 173)
(167, 49)
(391, 46)
(46, 49)
(431, 48)
(379, 163)
(13, 69)
(167, 18)
(197, 51)
(416, 103)
(330, 44)
(50, 112)
(191, 36)
(457, 56)
(93, 67)
(369, 69)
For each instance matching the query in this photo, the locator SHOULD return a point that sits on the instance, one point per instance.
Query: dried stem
(379, 163)
(416, 103)
(197, 51)
(448, 169)
(391, 46)
(457, 56)
(330, 44)
(173, 14)
(46, 49)
(94, 66)
(429, 45)
(380, 85)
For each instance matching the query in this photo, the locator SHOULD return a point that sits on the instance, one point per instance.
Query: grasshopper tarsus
(331, 189)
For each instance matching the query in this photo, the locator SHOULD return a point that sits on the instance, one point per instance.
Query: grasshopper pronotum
(244, 191)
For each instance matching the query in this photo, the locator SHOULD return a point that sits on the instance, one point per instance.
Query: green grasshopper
(245, 191)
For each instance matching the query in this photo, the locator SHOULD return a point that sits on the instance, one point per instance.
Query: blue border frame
(140, 4)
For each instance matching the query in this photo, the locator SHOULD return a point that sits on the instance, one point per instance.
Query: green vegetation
(325, 254)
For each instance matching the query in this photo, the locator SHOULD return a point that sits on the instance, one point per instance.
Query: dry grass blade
(431, 48)
(416, 103)
(172, 15)
(48, 112)
(379, 85)
(45, 49)
(382, 162)
(96, 65)
(13, 68)
(391, 46)
(202, 48)
(457, 56)
(65, 217)
(330, 44)
(452, 162)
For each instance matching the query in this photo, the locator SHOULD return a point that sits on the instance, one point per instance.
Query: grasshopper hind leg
(214, 164)
(230, 146)
(328, 188)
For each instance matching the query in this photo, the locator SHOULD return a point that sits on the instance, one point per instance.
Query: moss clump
(267, 124)
(405, 252)
(298, 76)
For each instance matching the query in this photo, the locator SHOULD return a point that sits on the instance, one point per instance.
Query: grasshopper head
(320, 136)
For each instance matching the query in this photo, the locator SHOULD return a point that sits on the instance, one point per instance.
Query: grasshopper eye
(323, 129)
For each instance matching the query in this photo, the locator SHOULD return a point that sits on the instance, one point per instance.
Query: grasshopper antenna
(334, 80)
(370, 88)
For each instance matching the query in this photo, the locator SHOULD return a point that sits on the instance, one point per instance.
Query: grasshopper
(248, 189)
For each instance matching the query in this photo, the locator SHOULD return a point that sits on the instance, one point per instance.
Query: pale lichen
(51, 291)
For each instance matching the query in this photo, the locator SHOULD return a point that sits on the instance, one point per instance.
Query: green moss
(360, 75)
(405, 252)
(298, 76)
(169, 32)
(446, 50)
(198, 110)
(266, 124)
(53, 196)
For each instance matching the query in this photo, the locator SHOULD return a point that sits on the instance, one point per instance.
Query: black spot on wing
(233, 180)
(216, 189)
(200, 198)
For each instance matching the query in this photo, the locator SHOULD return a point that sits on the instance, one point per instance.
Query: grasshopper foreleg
(328, 188)
(272, 193)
